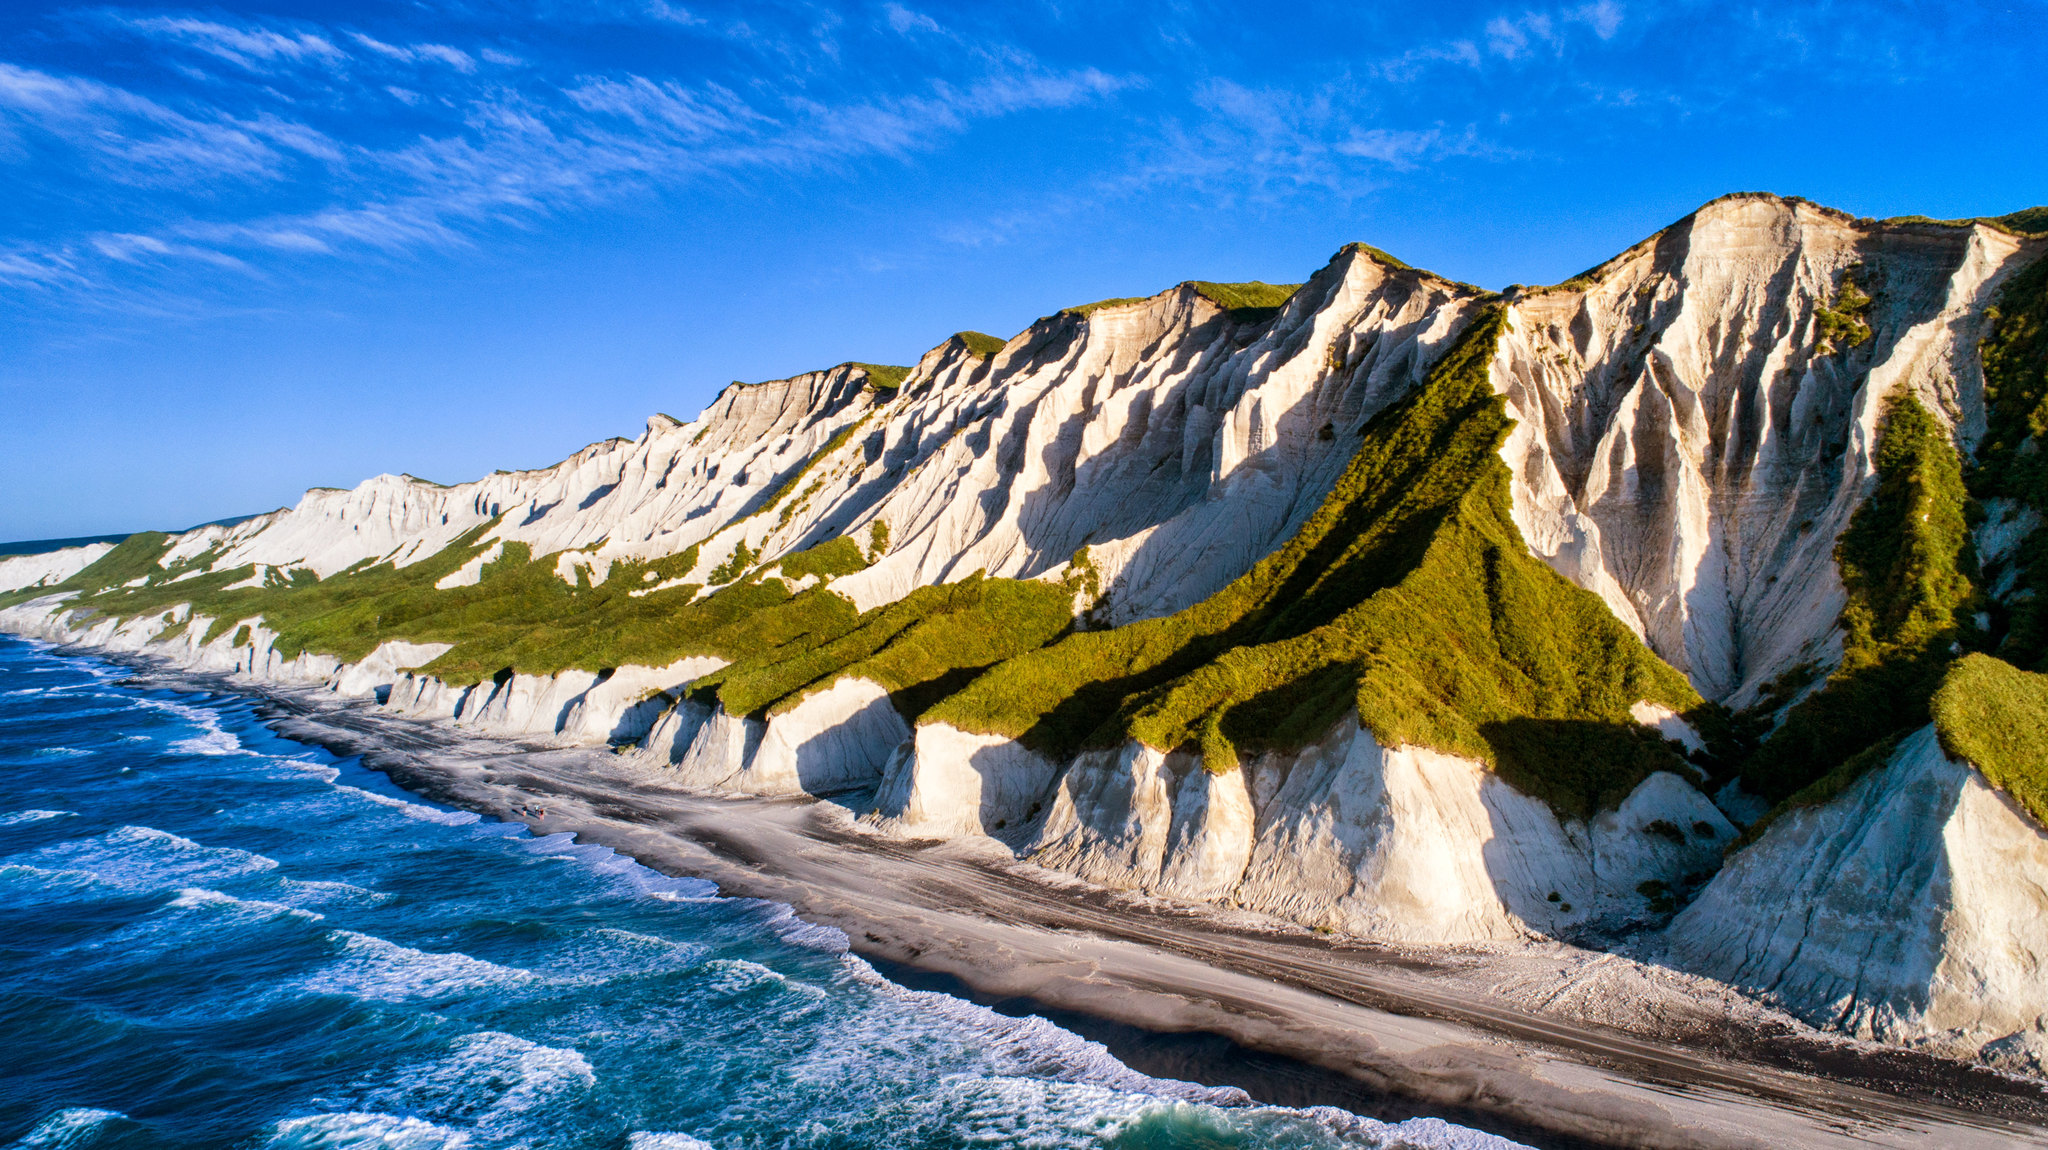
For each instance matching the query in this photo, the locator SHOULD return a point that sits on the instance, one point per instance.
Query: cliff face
(1693, 425)
(1913, 909)
(1691, 440)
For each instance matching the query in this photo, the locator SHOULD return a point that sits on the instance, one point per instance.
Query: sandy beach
(1551, 1045)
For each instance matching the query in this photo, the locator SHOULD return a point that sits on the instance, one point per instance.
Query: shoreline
(1386, 1033)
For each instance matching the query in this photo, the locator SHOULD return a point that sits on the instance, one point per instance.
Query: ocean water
(212, 936)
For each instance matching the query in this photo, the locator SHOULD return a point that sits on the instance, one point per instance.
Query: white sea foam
(1032, 1045)
(364, 1131)
(489, 1079)
(665, 1140)
(145, 858)
(785, 925)
(65, 1128)
(604, 860)
(730, 976)
(34, 884)
(212, 739)
(378, 970)
(316, 892)
(199, 898)
(17, 818)
(608, 952)
(60, 753)
(418, 811)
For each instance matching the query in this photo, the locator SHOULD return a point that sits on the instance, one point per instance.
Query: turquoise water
(212, 936)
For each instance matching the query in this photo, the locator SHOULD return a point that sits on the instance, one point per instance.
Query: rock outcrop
(1690, 442)
(1911, 908)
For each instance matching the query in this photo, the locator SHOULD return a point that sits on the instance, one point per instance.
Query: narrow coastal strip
(1441, 1034)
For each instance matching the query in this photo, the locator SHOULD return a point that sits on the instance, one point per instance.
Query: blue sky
(252, 248)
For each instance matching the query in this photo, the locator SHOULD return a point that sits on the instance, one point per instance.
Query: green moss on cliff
(828, 560)
(1254, 302)
(1996, 716)
(980, 345)
(919, 648)
(1844, 323)
(1907, 564)
(1408, 595)
(1085, 310)
(2010, 462)
(884, 376)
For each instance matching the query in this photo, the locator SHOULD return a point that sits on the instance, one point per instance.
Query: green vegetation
(1254, 302)
(2015, 359)
(1376, 254)
(1087, 309)
(878, 540)
(735, 565)
(1408, 595)
(980, 345)
(1842, 325)
(519, 616)
(919, 648)
(830, 559)
(1996, 716)
(884, 376)
(133, 558)
(2025, 222)
(1906, 562)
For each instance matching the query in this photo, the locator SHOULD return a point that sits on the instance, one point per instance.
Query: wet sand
(1554, 1046)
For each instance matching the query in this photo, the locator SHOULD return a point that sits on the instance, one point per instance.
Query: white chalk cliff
(1687, 447)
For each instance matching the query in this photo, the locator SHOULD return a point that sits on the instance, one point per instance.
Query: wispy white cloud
(1265, 142)
(138, 141)
(254, 47)
(1548, 32)
(455, 58)
(493, 147)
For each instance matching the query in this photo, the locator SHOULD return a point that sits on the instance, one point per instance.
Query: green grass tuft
(1996, 716)
(1254, 302)
(884, 376)
(1085, 310)
(2027, 221)
(1377, 255)
(1409, 595)
(980, 345)
(828, 560)
(735, 565)
(1843, 324)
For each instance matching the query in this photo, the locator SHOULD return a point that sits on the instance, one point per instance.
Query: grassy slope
(520, 615)
(1996, 716)
(980, 345)
(1252, 302)
(1246, 302)
(884, 376)
(918, 648)
(1906, 562)
(1409, 595)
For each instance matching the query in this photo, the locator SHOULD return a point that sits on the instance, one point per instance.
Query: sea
(211, 936)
